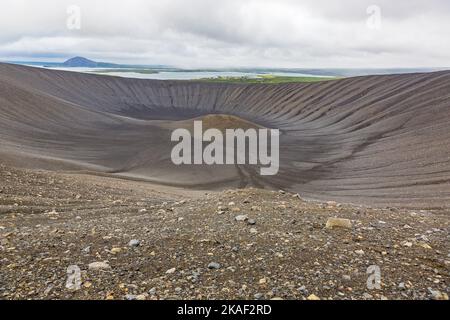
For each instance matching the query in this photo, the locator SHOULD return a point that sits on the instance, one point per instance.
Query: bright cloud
(232, 33)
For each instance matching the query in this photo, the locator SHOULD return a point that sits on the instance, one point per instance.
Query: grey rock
(346, 277)
(135, 297)
(214, 266)
(367, 296)
(303, 290)
(99, 266)
(258, 296)
(438, 295)
(87, 249)
(134, 243)
(240, 218)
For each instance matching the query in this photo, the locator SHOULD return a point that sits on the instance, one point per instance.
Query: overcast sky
(231, 33)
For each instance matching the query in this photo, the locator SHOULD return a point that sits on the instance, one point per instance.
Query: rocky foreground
(132, 240)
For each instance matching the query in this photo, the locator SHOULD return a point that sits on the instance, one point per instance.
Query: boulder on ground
(338, 223)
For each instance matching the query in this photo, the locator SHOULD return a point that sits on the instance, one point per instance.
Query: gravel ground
(132, 240)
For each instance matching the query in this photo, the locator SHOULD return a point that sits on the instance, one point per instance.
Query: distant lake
(167, 73)
(195, 75)
(181, 75)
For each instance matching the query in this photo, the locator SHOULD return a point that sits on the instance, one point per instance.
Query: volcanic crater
(376, 140)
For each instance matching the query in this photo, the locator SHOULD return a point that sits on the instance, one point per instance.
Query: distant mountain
(80, 62)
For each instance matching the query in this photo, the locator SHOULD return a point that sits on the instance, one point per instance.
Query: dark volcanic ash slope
(380, 140)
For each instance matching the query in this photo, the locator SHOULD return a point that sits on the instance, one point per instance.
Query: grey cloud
(195, 33)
